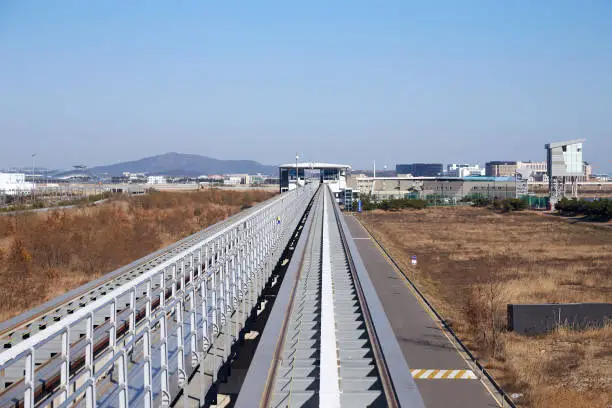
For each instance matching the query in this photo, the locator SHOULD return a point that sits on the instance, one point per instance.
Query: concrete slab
(422, 342)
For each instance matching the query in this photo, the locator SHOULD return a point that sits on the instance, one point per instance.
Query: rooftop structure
(420, 169)
(464, 170)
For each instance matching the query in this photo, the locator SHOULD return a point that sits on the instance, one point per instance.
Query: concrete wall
(543, 318)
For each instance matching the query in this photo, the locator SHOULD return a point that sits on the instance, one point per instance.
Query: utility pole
(33, 196)
(297, 178)
(33, 161)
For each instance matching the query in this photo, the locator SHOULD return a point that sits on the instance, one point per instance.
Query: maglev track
(151, 333)
(327, 352)
(327, 349)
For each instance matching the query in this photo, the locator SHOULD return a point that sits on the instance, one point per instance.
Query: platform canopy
(314, 166)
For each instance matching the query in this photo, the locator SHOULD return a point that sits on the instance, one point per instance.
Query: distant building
(600, 177)
(464, 170)
(77, 173)
(233, 180)
(420, 169)
(135, 177)
(500, 169)
(588, 171)
(156, 180)
(536, 167)
(257, 179)
(534, 171)
(14, 183)
(565, 168)
(441, 189)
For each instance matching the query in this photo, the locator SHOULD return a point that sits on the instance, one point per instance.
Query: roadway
(423, 342)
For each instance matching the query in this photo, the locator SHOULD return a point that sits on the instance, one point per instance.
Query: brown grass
(481, 261)
(46, 254)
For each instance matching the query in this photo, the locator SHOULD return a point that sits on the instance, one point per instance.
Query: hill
(178, 164)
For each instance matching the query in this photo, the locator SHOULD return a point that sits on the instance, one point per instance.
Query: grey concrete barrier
(543, 318)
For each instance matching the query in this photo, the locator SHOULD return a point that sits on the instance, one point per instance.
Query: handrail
(254, 239)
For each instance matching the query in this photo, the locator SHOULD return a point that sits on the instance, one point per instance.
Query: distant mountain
(178, 164)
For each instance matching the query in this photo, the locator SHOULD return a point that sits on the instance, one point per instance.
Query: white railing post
(192, 320)
(204, 308)
(90, 395)
(65, 368)
(29, 380)
(122, 380)
(163, 348)
(148, 370)
(180, 339)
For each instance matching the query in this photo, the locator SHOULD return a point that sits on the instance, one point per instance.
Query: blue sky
(98, 82)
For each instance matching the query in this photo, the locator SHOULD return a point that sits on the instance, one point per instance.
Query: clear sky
(348, 81)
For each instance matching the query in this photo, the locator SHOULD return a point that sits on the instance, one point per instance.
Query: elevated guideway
(135, 338)
(166, 330)
(328, 342)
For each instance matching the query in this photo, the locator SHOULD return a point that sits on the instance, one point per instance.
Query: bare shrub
(47, 254)
(536, 259)
(485, 316)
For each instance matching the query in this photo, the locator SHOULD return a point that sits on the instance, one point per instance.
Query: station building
(293, 175)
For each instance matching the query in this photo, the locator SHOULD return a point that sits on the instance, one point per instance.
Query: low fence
(543, 318)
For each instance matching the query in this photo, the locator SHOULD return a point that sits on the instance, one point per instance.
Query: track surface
(424, 344)
(334, 345)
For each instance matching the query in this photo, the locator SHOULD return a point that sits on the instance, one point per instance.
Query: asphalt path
(423, 342)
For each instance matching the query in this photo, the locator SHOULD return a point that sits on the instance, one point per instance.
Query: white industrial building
(232, 180)
(14, 183)
(464, 170)
(533, 171)
(156, 180)
(565, 166)
(235, 179)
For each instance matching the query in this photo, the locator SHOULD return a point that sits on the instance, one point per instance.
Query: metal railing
(145, 349)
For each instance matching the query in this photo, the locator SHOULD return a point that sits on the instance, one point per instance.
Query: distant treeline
(392, 204)
(505, 204)
(597, 209)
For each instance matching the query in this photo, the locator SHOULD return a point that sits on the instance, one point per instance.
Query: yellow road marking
(424, 306)
(443, 374)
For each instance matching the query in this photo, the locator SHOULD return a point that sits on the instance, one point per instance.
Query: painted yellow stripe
(424, 374)
(387, 258)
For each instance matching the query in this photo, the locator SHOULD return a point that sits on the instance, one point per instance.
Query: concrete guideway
(342, 328)
(328, 343)
(434, 360)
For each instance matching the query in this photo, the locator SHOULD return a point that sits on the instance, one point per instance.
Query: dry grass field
(473, 262)
(46, 254)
